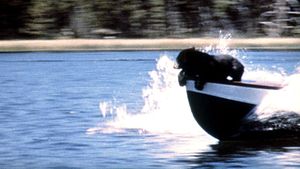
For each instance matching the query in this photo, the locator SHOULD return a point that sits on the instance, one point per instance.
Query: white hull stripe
(231, 92)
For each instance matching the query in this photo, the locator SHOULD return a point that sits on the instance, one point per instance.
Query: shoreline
(65, 45)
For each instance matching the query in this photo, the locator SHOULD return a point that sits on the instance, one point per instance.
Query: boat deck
(256, 84)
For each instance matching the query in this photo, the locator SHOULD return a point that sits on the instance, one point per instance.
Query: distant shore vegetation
(48, 19)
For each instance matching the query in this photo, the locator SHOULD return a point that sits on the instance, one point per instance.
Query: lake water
(124, 110)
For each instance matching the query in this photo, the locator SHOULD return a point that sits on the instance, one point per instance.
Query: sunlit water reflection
(124, 110)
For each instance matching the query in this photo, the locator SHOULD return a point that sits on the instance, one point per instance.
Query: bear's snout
(176, 66)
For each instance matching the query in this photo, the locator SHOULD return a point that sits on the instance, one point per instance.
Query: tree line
(49, 19)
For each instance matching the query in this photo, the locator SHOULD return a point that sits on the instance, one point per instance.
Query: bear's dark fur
(204, 67)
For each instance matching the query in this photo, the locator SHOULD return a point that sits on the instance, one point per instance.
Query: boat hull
(221, 108)
(220, 117)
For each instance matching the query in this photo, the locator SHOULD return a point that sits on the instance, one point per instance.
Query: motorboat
(220, 107)
(219, 99)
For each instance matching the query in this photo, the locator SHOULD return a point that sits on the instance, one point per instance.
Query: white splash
(283, 101)
(264, 77)
(103, 108)
(165, 109)
(222, 46)
(165, 105)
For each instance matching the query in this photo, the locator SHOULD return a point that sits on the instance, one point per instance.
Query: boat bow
(219, 108)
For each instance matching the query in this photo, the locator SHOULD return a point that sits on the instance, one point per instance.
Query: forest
(50, 19)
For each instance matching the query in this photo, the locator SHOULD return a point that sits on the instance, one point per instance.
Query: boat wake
(166, 108)
(278, 115)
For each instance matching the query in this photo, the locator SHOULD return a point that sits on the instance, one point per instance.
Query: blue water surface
(48, 101)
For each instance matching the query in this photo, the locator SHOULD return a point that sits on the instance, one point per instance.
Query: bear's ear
(193, 48)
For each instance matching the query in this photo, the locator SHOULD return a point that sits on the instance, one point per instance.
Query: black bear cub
(204, 67)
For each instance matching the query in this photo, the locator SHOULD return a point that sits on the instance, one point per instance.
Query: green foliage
(147, 18)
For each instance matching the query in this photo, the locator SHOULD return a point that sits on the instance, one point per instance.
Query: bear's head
(191, 58)
(183, 57)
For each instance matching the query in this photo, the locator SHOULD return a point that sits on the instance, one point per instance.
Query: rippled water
(121, 110)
